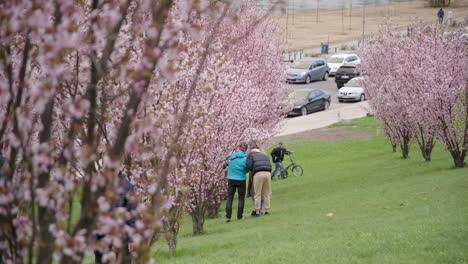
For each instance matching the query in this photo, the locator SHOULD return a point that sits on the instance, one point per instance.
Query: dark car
(346, 73)
(316, 100)
(307, 70)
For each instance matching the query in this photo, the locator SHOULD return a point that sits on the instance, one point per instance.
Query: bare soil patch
(337, 26)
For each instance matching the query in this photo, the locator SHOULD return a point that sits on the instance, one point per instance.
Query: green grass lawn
(386, 210)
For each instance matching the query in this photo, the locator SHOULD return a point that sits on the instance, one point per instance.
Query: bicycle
(295, 169)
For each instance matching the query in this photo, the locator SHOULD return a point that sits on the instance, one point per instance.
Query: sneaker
(267, 213)
(240, 218)
(253, 213)
(228, 220)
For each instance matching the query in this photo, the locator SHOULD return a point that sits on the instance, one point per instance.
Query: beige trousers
(262, 189)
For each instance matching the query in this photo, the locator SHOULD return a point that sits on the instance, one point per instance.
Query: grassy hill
(385, 209)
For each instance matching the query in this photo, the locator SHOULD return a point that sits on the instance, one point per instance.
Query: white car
(352, 91)
(465, 33)
(337, 60)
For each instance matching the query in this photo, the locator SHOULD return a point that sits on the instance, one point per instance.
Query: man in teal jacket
(237, 168)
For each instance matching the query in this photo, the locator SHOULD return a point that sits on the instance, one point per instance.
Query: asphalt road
(338, 112)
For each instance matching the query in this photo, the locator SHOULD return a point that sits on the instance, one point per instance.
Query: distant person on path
(237, 168)
(440, 14)
(449, 20)
(277, 155)
(259, 164)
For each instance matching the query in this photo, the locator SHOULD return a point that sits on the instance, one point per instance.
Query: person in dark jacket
(125, 187)
(277, 154)
(3, 161)
(237, 168)
(259, 165)
(440, 14)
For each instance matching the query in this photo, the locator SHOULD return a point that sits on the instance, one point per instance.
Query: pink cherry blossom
(419, 90)
(158, 90)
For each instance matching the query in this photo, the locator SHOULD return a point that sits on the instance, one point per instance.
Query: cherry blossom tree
(444, 86)
(383, 87)
(235, 107)
(84, 91)
(242, 100)
(421, 86)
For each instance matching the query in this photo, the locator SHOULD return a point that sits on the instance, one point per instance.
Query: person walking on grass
(237, 168)
(440, 14)
(277, 154)
(259, 165)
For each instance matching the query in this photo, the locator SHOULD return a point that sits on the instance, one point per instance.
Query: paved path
(324, 118)
(337, 112)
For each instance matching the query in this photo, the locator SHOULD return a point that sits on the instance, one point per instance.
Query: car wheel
(362, 98)
(325, 76)
(303, 111)
(326, 106)
(307, 80)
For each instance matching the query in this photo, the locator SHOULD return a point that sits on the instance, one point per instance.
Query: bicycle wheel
(297, 170)
(284, 174)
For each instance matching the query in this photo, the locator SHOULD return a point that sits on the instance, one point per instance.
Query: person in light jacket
(237, 168)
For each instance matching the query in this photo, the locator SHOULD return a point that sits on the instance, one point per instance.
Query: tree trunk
(46, 238)
(126, 255)
(198, 220)
(426, 153)
(394, 146)
(439, 3)
(171, 238)
(213, 211)
(458, 158)
(426, 143)
(404, 145)
(426, 149)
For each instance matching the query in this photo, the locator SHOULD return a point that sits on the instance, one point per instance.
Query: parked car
(352, 91)
(346, 73)
(337, 60)
(307, 70)
(465, 33)
(316, 100)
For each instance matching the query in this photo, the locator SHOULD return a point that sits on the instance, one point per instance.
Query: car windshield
(301, 65)
(346, 69)
(354, 83)
(335, 60)
(313, 94)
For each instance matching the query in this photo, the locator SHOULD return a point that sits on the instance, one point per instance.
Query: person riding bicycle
(277, 155)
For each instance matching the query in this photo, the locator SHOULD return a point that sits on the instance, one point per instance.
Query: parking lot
(336, 113)
(328, 87)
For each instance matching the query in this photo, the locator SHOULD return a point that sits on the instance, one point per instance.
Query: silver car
(352, 91)
(307, 70)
